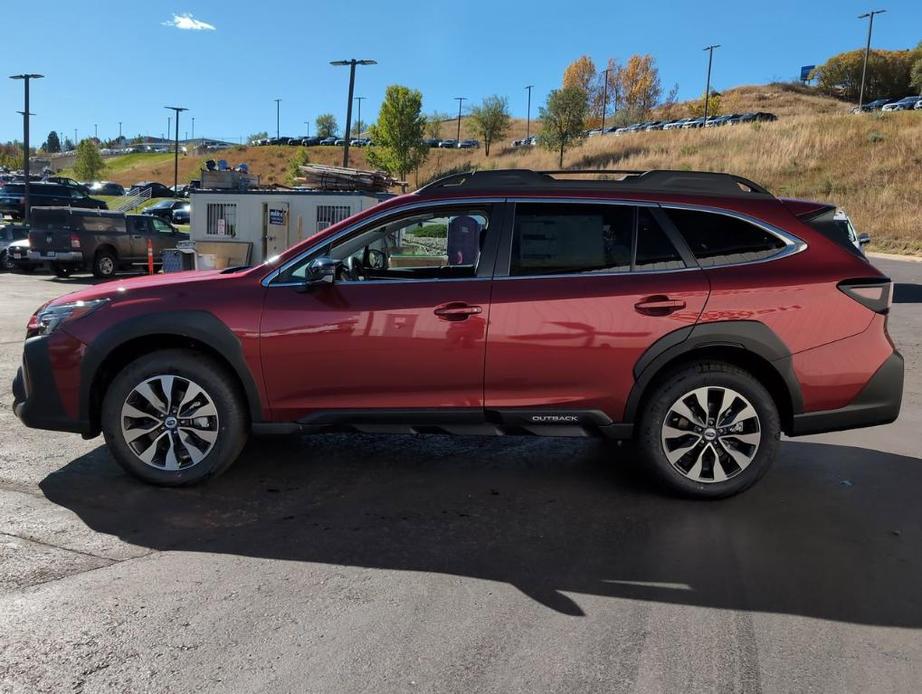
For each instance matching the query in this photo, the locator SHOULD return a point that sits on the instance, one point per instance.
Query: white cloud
(187, 22)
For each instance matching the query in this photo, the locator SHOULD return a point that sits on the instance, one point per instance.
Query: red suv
(692, 313)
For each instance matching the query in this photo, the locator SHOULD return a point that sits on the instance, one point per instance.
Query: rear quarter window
(719, 239)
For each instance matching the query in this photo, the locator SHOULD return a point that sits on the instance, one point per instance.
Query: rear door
(583, 290)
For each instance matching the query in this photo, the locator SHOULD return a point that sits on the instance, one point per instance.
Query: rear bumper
(36, 400)
(66, 257)
(877, 403)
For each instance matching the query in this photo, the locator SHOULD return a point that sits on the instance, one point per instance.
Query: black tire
(105, 264)
(231, 425)
(652, 437)
(6, 262)
(61, 270)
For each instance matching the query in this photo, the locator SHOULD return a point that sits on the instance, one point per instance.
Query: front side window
(719, 239)
(161, 226)
(435, 244)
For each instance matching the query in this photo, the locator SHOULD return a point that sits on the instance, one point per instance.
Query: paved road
(372, 564)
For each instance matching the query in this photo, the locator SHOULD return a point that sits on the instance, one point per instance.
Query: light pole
(528, 116)
(95, 131)
(193, 128)
(177, 110)
(352, 62)
(120, 131)
(277, 136)
(867, 49)
(75, 138)
(26, 78)
(307, 124)
(460, 100)
(604, 96)
(168, 126)
(359, 123)
(707, 88)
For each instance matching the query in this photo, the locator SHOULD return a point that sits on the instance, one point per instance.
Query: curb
(895, 256)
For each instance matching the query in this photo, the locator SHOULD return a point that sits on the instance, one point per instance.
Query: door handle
(658, 305)
(456, 310)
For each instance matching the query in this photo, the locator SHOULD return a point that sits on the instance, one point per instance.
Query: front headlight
(48, 318)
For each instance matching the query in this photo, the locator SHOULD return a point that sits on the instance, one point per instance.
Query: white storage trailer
(270, 221)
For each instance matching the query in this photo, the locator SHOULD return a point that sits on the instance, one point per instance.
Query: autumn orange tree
(640, 85)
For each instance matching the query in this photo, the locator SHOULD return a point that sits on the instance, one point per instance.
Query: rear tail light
(875, 293)
(74, 241)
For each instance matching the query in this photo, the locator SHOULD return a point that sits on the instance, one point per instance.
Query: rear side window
(654, 249)
(551, 239)
(719, 239)
(835, 226)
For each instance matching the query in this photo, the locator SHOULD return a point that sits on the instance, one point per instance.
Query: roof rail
(657, 180)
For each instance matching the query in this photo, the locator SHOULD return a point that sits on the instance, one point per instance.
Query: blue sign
(276, 216)
(805, 72)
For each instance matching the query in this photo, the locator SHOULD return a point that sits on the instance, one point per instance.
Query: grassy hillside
(869, 165)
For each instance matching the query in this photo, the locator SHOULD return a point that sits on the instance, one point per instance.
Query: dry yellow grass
(871, 165)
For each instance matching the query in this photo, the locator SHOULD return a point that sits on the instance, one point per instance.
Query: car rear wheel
(104, 265)
(709, 430)
(173, 418)
(6, 262)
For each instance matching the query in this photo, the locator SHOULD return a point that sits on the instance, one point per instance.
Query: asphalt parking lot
(378, 564)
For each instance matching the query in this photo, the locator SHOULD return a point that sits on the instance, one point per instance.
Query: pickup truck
(72, 240)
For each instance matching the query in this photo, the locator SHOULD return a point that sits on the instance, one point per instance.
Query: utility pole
(177, 110)
(120, 131)
(193, 127)
(528, 116)
(707, 88)
(75, 138)
(277, 102)
(460, 100)
(361, 125)
(307, 123)
(352, 62)
(168, 126)
(604, 96)
(95, 131)
(867, 49)
(26, 78)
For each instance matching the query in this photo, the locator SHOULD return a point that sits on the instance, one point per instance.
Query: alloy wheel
(711, 434)
(169, 422)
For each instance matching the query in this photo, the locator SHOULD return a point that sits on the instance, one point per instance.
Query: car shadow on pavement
(833, 532)
(904, 293)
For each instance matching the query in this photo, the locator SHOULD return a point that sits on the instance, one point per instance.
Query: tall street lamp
(352, 62)
(867, 49)
(26, 78)
(528, 116)
(460, 100)
(193, 128)
(277, 136)
(177, 110)
(359, 123)
(307, 124)
(707, 88)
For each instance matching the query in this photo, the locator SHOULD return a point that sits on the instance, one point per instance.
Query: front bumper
(64, 257)
(36, 399)
(877, 403)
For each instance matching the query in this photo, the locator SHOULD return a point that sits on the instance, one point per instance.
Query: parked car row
(907, 103)
(436, 143)
(43, 194)
(313, 141)
(687, 123)
(526, 142)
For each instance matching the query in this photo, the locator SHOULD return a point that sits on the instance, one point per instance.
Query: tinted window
(718, 239)
(654, 249)
(552, 239)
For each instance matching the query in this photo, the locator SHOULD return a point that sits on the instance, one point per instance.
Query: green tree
(889, 74)
(434, 124)
(298, 160)
(53, 143)
(491, 120)
(326, 125)
(261, 135)
(696, 107)
(563, 119)
(915, 77)
(398, 134)
(88, 163)
(358, 128)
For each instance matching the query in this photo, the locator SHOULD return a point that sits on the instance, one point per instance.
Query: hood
(119, 289)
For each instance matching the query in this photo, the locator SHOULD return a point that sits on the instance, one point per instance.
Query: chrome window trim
(792, 244)
(454, 202)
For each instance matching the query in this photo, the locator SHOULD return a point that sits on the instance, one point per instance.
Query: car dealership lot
(362, 563)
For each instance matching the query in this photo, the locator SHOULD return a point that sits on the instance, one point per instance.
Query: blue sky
(120, 61)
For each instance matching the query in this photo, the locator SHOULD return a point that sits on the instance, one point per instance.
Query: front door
(402, 327)
(588, 288)
(275, 216)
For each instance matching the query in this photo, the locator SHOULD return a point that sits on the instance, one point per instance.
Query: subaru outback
(694, 315)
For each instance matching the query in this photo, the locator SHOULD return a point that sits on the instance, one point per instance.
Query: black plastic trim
(36, 400)
(877, 403)
(749, 336)
(201, 326)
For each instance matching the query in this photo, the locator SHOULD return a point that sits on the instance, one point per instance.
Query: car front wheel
(709, 430)
(173, 418)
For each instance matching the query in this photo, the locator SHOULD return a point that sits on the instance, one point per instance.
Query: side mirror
(864, 239)
(321, 271)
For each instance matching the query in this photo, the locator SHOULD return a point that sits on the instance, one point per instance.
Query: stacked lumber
(324, 177)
